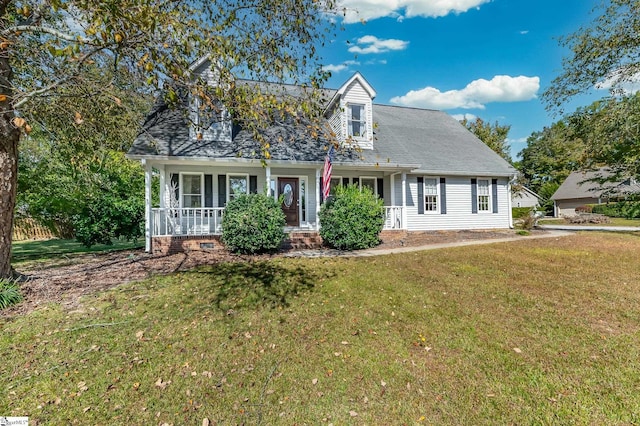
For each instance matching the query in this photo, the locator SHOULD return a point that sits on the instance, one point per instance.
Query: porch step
(302, 240)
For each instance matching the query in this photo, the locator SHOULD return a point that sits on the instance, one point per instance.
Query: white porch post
(317, 199)
(163, 187)
(404, 200)
(147, 206)
(268, 177)
(392, 179)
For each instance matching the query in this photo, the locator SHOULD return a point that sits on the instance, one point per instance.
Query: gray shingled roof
(426, 141)
(585, 184)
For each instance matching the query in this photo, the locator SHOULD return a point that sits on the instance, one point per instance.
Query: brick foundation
(180, 244)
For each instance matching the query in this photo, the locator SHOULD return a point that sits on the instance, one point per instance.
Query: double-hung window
(369, 182)
(484, 195)
(430, 195)
(356, 120)
(237, 184)
(192, 190)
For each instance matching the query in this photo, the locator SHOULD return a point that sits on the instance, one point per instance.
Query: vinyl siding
(224, 128)
(356, 94)
(458, 214)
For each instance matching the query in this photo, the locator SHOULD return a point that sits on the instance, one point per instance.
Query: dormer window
(206, 117)
(356, 120)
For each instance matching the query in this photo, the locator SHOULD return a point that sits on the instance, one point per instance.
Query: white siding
(458, 216)
(524, 199)
(223, 129)
(356, 94)
(336, 123)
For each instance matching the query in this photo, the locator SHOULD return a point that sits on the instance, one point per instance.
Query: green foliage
(352, 219)
(518, 212)
(253, 223)
(624, 209)
(9, 293)
(494, 136)
(550, 156)
(523, 232)
(603, 54)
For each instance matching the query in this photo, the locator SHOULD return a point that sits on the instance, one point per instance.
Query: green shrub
(519, 212)
(253, 224)
(626, 209)
(352, 219)
(9, 293)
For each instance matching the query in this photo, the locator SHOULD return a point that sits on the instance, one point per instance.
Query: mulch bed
(66, 279)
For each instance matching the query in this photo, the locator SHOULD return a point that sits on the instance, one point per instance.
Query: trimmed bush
(9, 293)
(352, 219)
(252, 224)
(624, 209)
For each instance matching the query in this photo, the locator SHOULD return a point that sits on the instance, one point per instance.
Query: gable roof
(412, 139)
(584, 184)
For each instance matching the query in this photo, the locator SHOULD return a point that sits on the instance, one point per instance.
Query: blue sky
(486, 58)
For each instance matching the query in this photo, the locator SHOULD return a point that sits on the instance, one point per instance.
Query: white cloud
(373, 44)
(357, 10)
(467, 116)
(523, 32)
(501, 88)
(339, 67)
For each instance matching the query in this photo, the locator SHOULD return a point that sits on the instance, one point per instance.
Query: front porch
(207, 221)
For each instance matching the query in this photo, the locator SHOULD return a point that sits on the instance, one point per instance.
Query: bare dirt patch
(66, 279)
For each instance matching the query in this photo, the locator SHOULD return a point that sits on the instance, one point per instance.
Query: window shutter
(494, 194)
(174, 197)
(208, 190)
(253, 184)
(345, 182)
(380, 188)
(443, 196)
(222, 190)
(474, 195)
(420, 195)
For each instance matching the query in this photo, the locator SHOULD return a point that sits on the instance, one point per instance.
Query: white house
(524, 197)
(431, 172)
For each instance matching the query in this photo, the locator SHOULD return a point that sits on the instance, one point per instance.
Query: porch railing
(393, 217)
(188, 221)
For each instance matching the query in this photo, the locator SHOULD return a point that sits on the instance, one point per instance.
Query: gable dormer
(209, 119)
(350, 112)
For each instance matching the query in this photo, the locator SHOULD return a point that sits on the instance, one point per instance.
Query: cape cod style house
(431, 172)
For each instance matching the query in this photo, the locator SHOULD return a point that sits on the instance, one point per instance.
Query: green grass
(47, 249)
(529, 332)
(615, 221)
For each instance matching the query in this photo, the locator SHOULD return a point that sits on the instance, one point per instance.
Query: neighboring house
(431, 172)
(524, 197)
(582, 188)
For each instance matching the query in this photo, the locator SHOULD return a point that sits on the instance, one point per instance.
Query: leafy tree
(47, 46)
(605, 54)
(551, 155)
(493, 135)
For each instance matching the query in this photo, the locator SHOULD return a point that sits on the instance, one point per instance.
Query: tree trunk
(9, 138)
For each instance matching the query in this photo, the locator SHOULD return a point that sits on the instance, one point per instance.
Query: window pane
(369, 183)
(238, 185)
(191, 184)
(192, 201)
(356, 122)
(333, 184)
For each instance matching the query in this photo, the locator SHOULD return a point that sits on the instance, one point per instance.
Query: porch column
(404, 200)
(268, 177)
(147, 206)
(392, 179)
(317, 199)
(163, 187)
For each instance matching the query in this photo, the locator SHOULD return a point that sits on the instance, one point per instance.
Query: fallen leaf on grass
(517, 350)
(353, 413)
(383, 383)
(139, 335)
(314, 381)
(86, 409)
(205, 422)
(162, 385)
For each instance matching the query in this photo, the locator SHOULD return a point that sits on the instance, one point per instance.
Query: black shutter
(443, 196)
(420, 195)
(222, 190)
(345, 182)
(380, 188)
(208, 190)
(474, 195)
(253, 184)
(174, 190)
(494, 194)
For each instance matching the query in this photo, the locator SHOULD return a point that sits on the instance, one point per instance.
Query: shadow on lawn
(254, 284)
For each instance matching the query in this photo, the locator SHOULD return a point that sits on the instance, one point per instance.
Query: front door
(288, 190)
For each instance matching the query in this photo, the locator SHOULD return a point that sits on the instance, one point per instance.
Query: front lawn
(47, 249)
(528, 332)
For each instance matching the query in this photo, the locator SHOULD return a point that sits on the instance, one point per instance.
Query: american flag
(326, 174)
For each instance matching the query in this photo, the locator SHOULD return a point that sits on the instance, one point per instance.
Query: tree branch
(43, 29)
